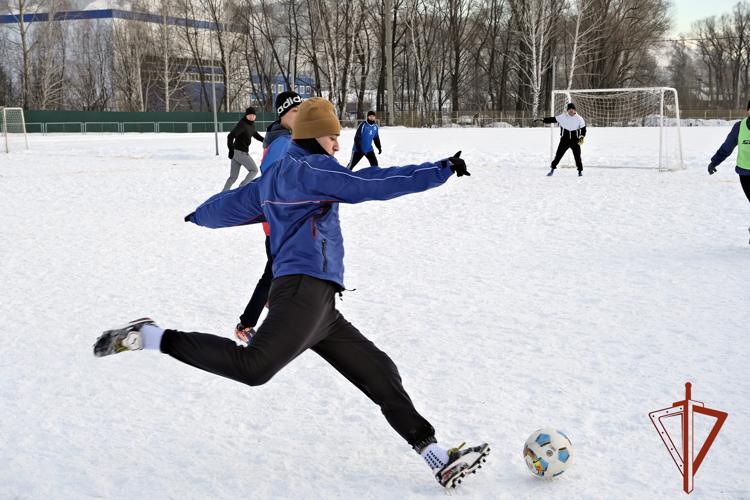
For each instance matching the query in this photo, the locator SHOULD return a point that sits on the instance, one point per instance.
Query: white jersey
(570, 123)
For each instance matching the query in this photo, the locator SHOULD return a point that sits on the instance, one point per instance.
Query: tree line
(448, 55)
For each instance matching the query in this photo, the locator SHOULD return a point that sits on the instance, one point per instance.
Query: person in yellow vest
(739, 137)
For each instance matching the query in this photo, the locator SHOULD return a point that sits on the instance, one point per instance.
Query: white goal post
(12, 125)
(655, 109)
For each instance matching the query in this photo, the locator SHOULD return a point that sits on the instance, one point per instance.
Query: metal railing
(467, 119)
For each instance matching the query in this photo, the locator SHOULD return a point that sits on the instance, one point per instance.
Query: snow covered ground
(509, 300)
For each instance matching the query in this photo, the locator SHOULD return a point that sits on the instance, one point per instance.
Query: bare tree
(20, 9)
(173, 68)
(91, 69)
(48, 63)
(195, 40)
(586, 35)
(225, 42)
(257, 56)
(338, 23)
(132, 43)
(536, 23)
(7, 98)
(683, 74)
(490, 25)
(459, 33)
(624, 57)
(363, 55)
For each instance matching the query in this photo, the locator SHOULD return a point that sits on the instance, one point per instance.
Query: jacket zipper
(325, 257)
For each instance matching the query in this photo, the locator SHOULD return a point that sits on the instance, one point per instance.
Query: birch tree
(535, 20)
(586, 34)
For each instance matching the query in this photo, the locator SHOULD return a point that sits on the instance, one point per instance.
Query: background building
(130, 56)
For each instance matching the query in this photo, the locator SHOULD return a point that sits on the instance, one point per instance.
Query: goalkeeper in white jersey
(572, 132)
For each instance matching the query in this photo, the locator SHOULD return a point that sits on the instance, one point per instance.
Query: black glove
(380, 150)
(536, 120)
(231, 154)
(711, 169)
(188, 217)
(458, 165)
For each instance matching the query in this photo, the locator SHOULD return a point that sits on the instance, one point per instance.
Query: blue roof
(77, 15)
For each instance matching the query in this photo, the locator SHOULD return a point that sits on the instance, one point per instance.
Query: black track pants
(303, 316)
(260, 295)
(356, 156)
(745, 183)
(565, 143)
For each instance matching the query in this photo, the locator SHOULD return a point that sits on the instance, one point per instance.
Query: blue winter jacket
(300, 199)
(276, 143)
(729, 144)
(364, 137)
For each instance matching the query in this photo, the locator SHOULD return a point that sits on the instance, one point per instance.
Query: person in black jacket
(572, 132)
(238, 143)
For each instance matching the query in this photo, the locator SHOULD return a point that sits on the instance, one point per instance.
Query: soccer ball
(548, 453)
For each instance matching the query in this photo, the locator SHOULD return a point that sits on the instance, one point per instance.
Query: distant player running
(572, 132)
(238, 143)
(367, 133)
(739, 136)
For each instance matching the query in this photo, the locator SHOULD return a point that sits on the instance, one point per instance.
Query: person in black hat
(238, 143)
(367, 133)
(572, 132)
(275, 146)
(739, 136)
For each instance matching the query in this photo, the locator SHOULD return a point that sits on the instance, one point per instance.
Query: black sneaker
(551, 171)
(462, 462)
(125, 338)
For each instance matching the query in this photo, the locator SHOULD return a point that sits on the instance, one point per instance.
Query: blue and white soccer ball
(548, 453)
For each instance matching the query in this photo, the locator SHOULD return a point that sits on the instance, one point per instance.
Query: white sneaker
(125, 338)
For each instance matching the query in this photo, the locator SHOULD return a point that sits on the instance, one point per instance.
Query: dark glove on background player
(711, 169)
(231, 154)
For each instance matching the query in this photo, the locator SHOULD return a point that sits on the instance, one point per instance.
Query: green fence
(116, 122)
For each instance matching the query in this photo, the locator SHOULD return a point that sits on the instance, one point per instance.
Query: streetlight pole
(213, 92)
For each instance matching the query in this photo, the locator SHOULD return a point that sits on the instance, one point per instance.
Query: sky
(689, 11)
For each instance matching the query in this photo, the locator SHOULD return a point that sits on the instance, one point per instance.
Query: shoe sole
(483, 451)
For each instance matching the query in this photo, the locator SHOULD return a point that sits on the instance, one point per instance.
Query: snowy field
(509, 300)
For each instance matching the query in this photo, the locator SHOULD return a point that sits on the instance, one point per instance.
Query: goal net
(13, 128)
(636, 127)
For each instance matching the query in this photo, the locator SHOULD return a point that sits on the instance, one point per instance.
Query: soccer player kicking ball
(739, 136)
(572, 132)
(300, 199)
